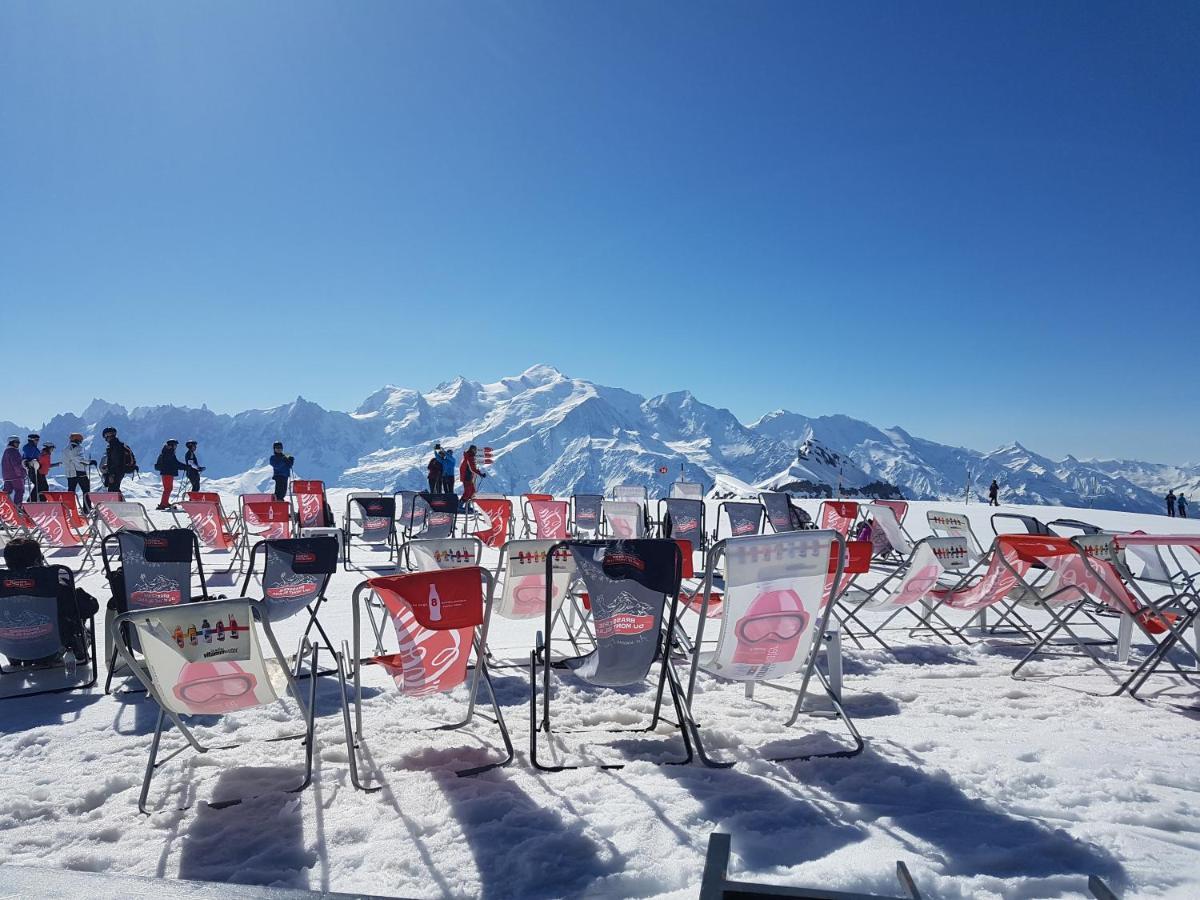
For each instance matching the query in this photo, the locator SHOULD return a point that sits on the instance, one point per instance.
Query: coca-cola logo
(19, 584)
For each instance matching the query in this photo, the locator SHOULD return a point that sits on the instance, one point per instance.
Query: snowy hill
(560, 434)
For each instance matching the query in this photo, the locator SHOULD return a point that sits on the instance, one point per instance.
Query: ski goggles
(783, 626)
(205, 690)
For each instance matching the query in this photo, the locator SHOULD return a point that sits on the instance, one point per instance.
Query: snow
(985, 786)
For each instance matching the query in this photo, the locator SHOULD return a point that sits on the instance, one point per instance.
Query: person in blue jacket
(31, 453)
(281, 469)
(448, 467)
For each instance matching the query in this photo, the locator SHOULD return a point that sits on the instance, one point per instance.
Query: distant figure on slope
(118, 461)
(468, 472)
(1182, 504)
(1171, 503)
(193, 466)
(31, 455)
(75, 467)
(994, 493)
(168, 466)
(448, 464)
(434, 470)
(44, 467)
(13, 471)
(281, 469)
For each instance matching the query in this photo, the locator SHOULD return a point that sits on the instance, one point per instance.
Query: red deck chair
(52, 522)
(840, 515)
(13, 521)
(499, 514)
(549, 519)
(71, 501)
(309, 498)
(206, 518)
(899, 507)
(269, 520)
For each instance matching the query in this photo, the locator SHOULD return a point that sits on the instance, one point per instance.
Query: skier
(434, 470)
(168, 466)
(993, 493)
(74, 608)
(13, 472)
(281, 469)
(118, 461)
(44, 467)
(467, 472)
(1171, 503)
(448, 464)
(31, 456)
(193, 466)
(75, 467)
(1181, 504)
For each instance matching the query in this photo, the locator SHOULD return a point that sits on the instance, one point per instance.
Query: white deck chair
(431, 554)
(121, 515)
(951, 524)
(683, 490)
(624, 519)
(884, 518)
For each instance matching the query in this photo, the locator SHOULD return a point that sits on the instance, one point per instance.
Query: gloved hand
(92, 462)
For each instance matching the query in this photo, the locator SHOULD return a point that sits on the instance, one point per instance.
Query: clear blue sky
(979, 221)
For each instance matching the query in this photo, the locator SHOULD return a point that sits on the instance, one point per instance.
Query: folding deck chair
(432, 554)
(633, 586)
(774, 612)
(684, 490)
(55, 532)
(498, 512)
(632, 493)
(782, 514)
(308, 497)
(1068, 527)
(410, 513)
(884, 517)
(439, 617)
(30, 631)
(683, 520)
(1029, 524)
(371, 520)
(546, 519)
(206, 659)
(441, 516)
(840, 515)
(121, 515)
(295, 575)
(208, 521)
(14, 522)
(521, 577)
(744, 518)
(624, 520)
(156, 570)
(95, 497)
(70, 500)
(586, 515)
(951, 524)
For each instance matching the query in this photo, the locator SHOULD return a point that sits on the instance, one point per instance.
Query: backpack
(130, 460)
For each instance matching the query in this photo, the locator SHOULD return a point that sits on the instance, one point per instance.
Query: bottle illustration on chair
(435, 604)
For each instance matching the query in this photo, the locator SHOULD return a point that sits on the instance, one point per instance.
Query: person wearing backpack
(193, 466)
(75, 467)
(14, 472)
(433, 470)
(31, 455)
(118, 461)
(281, 469)
(168, 466)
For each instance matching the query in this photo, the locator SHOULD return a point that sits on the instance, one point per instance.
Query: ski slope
(985, 786)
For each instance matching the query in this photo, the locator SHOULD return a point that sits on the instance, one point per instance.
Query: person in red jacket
(468, 471)
(44, 467)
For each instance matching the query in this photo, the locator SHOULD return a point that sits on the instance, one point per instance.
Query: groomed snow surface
(985, 786)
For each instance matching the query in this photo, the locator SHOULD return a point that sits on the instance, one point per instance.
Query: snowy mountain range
(559, 434)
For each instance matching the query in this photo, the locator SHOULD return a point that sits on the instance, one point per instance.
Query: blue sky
(979, 221)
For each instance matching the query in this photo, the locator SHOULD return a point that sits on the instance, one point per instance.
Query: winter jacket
(281, 465)
(74, 462)
(192, 461)
(468, 470)
(168, 463)
(12, 469)
(31, 453)
(114, 459)
(434, 468)
(1182, 504)
(44, 464)
(448, 464)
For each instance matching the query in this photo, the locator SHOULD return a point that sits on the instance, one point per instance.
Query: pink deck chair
(899, 507)
(121, 515)
(52, 522)
(624, 519)
(499, 513)
(71, 501)
(266, 519)
(839, 515)
(548, 519)
(95, 497)
(439, 618)
(14, 521)
(309, 498)
(206, 518)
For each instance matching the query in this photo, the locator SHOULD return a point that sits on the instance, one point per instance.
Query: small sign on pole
(663, 470)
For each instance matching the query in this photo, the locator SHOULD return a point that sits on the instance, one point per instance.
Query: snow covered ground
(984, 785)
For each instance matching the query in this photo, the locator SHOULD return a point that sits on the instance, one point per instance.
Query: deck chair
(441, 516)
(783, 515)
(743, 518)
(370, 519)
(1029, 524)
(30, 631)
(13, 521)
(410, 513)
(586, 514)
(683, 520)
(521, 575)
(1069, 527)
(270, 520)
(231, 521)
(884, 518)
(432, 554)
(208, 521)
(634, 588)
(439, 617)
(52, 524)
(243, 499)
(546, 519)
(774, 613)
(95, 497)
(898, 507)
(156, 570)
(308, 498)
(840, 515)
(206, 659)
(683, 490)
(70, 500)
(624, 520)
(295, 575)
(121, 515)
(498, 512)
(951, 524)
(633, 493)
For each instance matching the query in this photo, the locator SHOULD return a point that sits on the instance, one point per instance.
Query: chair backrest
(411, 511)
(549, 518)
(1011, 559)
(626, 519)
(1029, 524)
(635, 493)
(435, 615)
(537, 497)
(11, 517)
(744, 518)
(685, 490)
(587, 513)
(95, 497)
(375, 515)
(1059, 526)
(208, 523)
(499, 512)
(269, 519)
(431, 554)
(70, 500)
(243, 499)
(930, 559)
(123, 515)
(778, 507)
(310, 503)
(632, 586)
(687, 519)
(296, 572)
(156, 565)
(523, 592)
(774, 610)
(898, 507)
(205, 658)
(951, 524)
(214, 497)
(1095, 569)
(840, 515)
(441, 514)
(53, 524)
(29, 612)
(885, 518)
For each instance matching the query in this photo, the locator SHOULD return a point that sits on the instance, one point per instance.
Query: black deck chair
(30, 630)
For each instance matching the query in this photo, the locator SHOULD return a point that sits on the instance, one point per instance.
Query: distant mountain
(559, 434)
